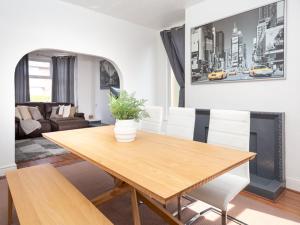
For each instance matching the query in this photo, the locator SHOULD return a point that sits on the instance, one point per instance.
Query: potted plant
(127, 110)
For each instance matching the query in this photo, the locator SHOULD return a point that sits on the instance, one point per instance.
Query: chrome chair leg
(192, 200)
(179, 207)
(196, 217)
(224, 217)
(223, 214)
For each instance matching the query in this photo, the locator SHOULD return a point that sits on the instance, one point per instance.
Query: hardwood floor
(288, 201)
(56, 161)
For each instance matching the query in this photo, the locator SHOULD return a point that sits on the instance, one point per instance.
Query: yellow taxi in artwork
(260, 70)
(217, 75)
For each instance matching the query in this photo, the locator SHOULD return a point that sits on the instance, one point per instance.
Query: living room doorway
(59, 90)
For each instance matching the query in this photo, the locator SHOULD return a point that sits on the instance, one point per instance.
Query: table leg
(121, 189)
(10, 208)
(135, 208)
(158, 208)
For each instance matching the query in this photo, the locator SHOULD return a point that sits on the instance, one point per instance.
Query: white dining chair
(153, 123)
(181, 122)
(229, 129)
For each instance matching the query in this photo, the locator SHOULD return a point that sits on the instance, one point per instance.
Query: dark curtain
(63, 79)
(174, 42)
(22, 81)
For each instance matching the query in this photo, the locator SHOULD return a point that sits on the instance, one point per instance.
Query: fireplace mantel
(267, 170)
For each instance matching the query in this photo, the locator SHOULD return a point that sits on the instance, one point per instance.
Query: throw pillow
(35, 113)
(67, 110)
(24, 112)
(73, 111)
(54, 112)
(17, 113)
(60, 110)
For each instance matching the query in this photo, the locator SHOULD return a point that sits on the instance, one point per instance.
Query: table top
(157, 165)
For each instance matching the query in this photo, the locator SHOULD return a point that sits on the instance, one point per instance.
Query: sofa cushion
(73, 111)
(68, 123)
(35, 113)
(48, 107)
(60, 110)
(54, 112)
(46, 125)
(67, 119)
(67, 110)
(24, 111)
(17, 113)
(40, 105)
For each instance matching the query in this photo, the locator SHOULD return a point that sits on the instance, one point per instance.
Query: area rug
(92, 181)
(36, 148)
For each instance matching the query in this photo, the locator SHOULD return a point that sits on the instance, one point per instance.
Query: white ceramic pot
(125, 130)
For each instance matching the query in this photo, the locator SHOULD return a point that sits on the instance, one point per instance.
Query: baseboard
(3, 169)
(293, 184)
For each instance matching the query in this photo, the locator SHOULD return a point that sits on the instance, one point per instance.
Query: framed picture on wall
(108, 75)
(245, 47)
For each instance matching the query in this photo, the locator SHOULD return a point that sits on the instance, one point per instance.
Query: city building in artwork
(240, 50)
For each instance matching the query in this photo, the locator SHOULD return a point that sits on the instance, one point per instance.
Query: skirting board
(293, 184)
(3, 169)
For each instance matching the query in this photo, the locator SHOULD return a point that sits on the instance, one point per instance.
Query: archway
(90, 92)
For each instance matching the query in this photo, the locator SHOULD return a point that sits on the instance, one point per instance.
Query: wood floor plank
(10, 208)
(288, 201)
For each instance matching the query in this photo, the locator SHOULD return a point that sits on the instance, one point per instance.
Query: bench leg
(135, 208)
(10, 208)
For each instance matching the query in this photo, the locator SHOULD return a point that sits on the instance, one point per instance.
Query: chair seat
(220, 191)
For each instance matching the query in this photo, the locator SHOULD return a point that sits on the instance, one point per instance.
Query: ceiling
(156, 14)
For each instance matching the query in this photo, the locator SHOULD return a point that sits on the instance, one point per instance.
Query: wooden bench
(42, 196)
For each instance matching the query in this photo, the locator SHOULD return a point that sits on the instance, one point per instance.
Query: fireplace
(267, 170)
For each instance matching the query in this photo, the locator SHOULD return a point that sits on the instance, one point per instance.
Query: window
(40, 81)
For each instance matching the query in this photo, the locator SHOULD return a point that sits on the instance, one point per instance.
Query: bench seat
(43, 196)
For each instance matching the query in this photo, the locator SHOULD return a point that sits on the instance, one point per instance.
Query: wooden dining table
(154, 168)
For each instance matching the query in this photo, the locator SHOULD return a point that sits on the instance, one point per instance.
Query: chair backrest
(181, 122)
(153, 123)
(231, 129)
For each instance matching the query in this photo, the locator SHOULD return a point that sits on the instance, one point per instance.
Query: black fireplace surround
(267, 170)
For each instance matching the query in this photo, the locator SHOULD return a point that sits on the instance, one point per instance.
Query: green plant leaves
(126, 107)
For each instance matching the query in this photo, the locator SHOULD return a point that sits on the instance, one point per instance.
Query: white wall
(102, 111)
(85, 82)
(91, 100)
(274, 96)
(33, 24)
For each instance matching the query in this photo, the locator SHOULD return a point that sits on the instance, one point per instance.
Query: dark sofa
(53, 124)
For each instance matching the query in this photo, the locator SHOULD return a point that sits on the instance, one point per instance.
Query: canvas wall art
(108, 75)
(248, 46)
